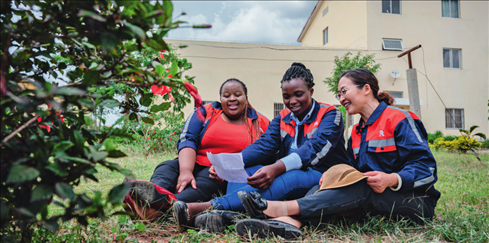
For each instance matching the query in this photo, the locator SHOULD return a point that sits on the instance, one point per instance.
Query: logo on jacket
(316, 123)
(381, 133)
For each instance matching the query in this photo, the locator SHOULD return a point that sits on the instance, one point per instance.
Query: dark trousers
(166, 175)
(317, 207)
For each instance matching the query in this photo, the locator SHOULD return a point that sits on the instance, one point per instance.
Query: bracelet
(399, 184)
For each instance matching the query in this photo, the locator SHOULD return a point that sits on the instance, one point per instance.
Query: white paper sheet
(229, 166)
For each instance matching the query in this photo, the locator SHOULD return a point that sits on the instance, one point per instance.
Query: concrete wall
(420, 22)
(346, 22)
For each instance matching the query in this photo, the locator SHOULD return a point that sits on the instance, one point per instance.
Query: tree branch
(19, 129)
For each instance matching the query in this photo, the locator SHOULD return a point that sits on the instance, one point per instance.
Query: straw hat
(340, 175)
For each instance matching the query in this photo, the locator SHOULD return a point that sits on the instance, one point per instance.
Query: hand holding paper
(229, 166)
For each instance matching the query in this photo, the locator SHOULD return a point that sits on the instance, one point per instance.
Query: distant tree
(347, 62)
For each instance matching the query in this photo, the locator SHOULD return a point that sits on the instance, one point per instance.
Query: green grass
(461, 213)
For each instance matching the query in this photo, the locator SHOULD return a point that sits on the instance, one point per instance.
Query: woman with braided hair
(300, 143)
(228, 126)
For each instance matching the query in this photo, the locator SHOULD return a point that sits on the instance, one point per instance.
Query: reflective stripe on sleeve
(321, 153)
(356, 150)
(283, 133)
(337, 119)
(309, 135)
(426, 180)
(185, 128)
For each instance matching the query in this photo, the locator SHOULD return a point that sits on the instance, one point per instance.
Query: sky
(268, 22)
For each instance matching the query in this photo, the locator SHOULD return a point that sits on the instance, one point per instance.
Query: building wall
(421, 23)
(346, 22)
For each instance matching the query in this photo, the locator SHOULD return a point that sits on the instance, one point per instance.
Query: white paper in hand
(229, 166)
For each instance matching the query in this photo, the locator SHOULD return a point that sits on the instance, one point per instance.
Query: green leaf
(79, 140)
(86, 13)
(118, 193)
(91, 77)
(21, 173)
(174, 68)
(99, 155)
(64, 191)
(41, 191)
(109, 103)
(24, 211)
(133, 116)
(121, 133)
(158, 68)
(168, 7)
(116, 154)
(62, 146)
(148, 120)
(141, 227)
(70, 91)
(109, 41)
(161, 107)
(136, 30)
(55, 167)
(146, 100)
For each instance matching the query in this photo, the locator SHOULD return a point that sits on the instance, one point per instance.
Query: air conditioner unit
(392, 45)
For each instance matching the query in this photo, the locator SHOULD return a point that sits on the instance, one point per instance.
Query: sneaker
(181, 215)
(253, 204)
(217, 221)
(157, 197)
(267, 228)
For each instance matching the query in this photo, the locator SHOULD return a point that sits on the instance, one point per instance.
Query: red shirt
(222, 137)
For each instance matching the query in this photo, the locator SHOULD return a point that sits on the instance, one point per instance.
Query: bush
(459, 144)
(47, 148)
(433, 136)
(449, 138)
(485, 144)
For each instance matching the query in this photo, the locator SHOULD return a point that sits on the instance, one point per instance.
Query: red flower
(193, 92)
(45, 127)
(171, 98)
(155, 89)
(154, 148)
(159, 137)
(174, 133)
(39, 119)
(170, 139)
(170, 76)
(62, 119)
(161, 55)
(149, 137)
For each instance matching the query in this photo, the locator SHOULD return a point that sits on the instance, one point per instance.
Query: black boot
(253, 204)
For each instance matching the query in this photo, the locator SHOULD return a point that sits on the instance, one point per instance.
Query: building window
(451, 58)
(454, 118)
(395, 94)
(326, 10)
(277, 108)
(391, 6)
(392, 45)
(325, 36)
(206, 102)
(450, 9)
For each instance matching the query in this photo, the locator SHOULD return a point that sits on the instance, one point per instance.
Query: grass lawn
(461, 213)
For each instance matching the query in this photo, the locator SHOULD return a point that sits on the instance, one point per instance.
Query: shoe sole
(243, 197)
(212, 223)
(263, 229)
(180, 214)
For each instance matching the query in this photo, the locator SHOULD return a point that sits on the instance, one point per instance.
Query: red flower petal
(161, 55)
(155, 89)
(45, 127)
(39, 119)
(193, 92)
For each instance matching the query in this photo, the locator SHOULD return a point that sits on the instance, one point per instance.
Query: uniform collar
(375, 115)
(311, 116)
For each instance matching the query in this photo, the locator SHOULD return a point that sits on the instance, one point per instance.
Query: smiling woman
(300, 143)
(227, 127)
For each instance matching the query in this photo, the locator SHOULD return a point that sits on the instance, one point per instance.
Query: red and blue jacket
(320, 142)
(394, 140)
(195, 127)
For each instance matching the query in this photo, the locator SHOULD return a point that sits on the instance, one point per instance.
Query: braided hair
(298, 70)
(252, 136)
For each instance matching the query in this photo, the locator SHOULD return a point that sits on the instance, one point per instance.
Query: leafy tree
(347, 62)
(47, 148)
(469, 134)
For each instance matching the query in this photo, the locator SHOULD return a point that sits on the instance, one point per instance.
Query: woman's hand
(379, 181)
(213, 175)
(264, 177)
(184, 179)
